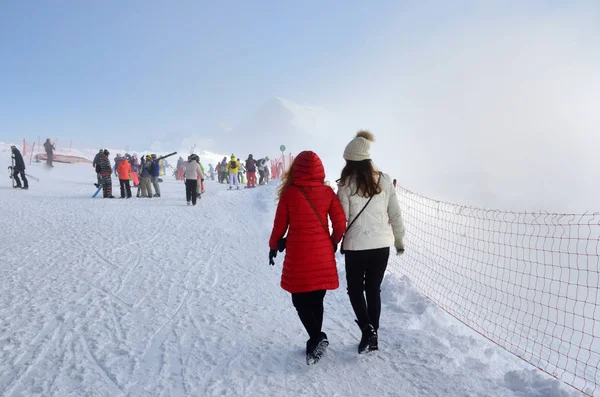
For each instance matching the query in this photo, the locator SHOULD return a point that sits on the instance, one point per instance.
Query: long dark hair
(363, 173)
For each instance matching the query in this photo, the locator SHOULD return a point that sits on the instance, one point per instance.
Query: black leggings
(310, 310)
(191, 187)
(364, 274)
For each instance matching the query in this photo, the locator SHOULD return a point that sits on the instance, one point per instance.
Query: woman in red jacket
(309, 268)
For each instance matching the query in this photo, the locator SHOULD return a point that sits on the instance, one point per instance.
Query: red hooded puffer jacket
(309, 260)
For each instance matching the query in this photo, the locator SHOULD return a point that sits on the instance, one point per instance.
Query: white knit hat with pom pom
(359, 148)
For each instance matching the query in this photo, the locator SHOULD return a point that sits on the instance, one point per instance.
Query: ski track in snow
(150, 297)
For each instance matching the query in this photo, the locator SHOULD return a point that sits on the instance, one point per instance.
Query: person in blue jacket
(155, 171)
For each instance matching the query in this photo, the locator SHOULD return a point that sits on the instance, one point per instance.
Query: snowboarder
(309, 268)
(233, 167)
(124, 171)
(192, 172)
(105, 170)
(18, 169)
(251, 171)
(366, 243)
(49, 147)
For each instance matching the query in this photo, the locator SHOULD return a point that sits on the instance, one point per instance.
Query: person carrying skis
(49, 147)
(375, 223)
(251, 171)
(155, 173)
(124, 171)
(18, 169)
(233, 166)
(105, 170)
(192, 172)
(309, 268)
(146, 176)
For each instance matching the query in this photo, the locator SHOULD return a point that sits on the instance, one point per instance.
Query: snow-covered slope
(150, 297)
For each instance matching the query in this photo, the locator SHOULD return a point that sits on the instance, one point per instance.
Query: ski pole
(32, 177)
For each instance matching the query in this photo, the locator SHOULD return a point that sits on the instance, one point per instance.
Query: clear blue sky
(129, 72)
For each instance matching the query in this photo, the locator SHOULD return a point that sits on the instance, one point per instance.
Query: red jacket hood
(308, 170)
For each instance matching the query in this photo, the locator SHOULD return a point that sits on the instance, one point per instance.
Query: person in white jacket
(192, 172)
(374, 225)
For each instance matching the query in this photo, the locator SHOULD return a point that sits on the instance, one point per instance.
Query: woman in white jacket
(374, 225)
(193, 173)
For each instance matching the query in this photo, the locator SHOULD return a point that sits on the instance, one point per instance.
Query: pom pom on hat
(359, 149)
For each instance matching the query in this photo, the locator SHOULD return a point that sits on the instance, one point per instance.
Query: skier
(49, 147)
(395, 183)
(211, 172)
(124, 171)
(180, 164)
(309, 268)
(241, 172)
(192, 172)
(224, 164)
(262, 166)
(366, 243)
(104, 169)
(117, 159)
(18, 169)
(135, 165)
(155, 172)
(200, 187)
(146, 176)
(233, 166)
(251, 171)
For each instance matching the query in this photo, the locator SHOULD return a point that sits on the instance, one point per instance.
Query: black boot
(368, 341)
(315, 348)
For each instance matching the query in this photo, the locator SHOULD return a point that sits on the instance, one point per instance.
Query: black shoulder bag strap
(357, 216)
(314, 209)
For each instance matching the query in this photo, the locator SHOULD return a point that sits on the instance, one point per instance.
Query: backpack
(233, 164)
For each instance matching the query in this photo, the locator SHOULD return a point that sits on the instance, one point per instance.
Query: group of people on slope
(233, 171)
(366, 220)
(128, 169)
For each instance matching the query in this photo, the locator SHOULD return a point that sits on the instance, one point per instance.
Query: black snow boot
(368, 341)
(315, 348)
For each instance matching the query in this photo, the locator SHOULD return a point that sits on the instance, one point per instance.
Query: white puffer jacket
(192, 170)
(372, 230)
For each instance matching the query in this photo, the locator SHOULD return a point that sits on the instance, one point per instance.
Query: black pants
(49, 158)
(309, 306)
(191, 186)
(16, 174)
(364, 274)
(261, 178)
(125, 188)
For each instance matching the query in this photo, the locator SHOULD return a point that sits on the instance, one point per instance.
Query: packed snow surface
(150, 297)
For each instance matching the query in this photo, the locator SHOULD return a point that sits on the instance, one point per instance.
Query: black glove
(335, 248)
(272, 255)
